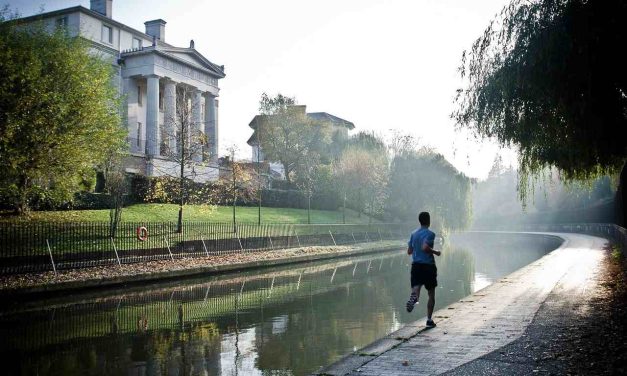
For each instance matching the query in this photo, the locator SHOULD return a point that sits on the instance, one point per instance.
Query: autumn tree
(286, 134)
(544, 77)
(59, 113)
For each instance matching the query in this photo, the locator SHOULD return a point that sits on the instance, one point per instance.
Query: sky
(381, 64)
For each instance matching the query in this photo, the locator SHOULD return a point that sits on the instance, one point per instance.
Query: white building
(150, 72)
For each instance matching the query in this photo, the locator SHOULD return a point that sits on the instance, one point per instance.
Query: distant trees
(59, 113)
(544, 76)
(553, 201)
(362, 176)
(427, 181)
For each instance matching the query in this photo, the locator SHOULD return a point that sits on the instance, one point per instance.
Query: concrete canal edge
(480, 323)
(144, 278)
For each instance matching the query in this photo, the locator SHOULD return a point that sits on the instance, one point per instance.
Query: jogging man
(423, 269)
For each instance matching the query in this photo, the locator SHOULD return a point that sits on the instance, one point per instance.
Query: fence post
(204, 246)
(333, 276)
(353, 235)
(116, 252)
(241, 290)
(298, 284)
(168, 245)
(271, 245)
(298, 240)
(54, 268)
(380, 238)
(240, 242)
(271, 287)
(332, 238)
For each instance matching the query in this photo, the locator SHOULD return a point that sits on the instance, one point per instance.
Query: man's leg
(430, 303)
(413, 298)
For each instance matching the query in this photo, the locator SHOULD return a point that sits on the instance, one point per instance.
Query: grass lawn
(169, 213)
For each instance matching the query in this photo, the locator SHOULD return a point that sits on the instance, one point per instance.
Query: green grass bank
(169, 213)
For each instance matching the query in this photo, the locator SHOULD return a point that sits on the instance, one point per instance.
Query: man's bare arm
(428, 249)
(410, 250)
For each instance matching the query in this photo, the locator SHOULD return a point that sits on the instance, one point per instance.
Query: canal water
(288, 320)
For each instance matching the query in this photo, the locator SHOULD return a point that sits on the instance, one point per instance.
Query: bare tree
(238, 182)
(184, 143)
(306, 178)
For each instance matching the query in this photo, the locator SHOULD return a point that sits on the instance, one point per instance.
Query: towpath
(509, 327)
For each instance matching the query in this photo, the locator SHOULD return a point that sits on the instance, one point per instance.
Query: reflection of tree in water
(456, 271)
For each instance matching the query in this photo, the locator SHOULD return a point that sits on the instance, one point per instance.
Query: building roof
(217, 70)
(93, 13)
(324, 116)
(317, 116)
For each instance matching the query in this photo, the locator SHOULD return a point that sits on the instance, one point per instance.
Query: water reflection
(287, 320)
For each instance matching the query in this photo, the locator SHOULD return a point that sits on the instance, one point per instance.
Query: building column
(169, 115)
(131, 126)
(211, 129)
(197, 125)
(152, 116)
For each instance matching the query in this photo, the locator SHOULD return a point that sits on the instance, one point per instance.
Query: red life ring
(142, 233)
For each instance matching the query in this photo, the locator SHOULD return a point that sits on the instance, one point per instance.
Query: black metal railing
(42, 246)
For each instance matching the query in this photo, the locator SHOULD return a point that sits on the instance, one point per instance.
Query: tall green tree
(545, 77)
(287, 135)
(59, 113)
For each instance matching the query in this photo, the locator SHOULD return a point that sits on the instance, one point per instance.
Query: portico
(167, 85)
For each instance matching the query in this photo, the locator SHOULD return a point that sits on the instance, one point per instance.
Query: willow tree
(545, 77)
(59, 113)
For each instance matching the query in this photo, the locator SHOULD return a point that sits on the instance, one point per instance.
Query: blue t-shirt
(418, 237)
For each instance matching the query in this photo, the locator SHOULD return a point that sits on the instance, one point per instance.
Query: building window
(61, 22)
(139, 134)
(107, 34)
(137, 43)
(139, 95)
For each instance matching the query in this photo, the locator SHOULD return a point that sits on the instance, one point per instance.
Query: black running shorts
(424, 274)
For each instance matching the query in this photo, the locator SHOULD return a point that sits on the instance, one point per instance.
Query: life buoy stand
(142, 233)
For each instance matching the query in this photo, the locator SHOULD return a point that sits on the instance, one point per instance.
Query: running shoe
(430, 324)
(413, 299)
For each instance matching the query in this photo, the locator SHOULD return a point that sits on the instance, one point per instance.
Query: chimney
(156, 28)
(103, 7)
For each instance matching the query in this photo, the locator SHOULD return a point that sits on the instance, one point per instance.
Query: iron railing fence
(611, 231)
(43, 246)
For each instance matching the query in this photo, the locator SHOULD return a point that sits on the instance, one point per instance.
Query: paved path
(486, 321)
